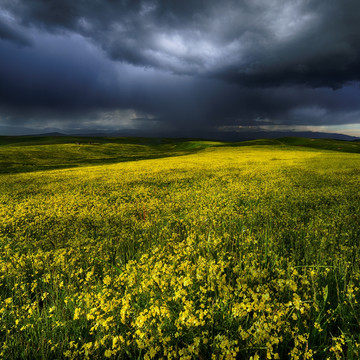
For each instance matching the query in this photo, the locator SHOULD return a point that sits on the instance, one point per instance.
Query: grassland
(132, 249)
(31, 153)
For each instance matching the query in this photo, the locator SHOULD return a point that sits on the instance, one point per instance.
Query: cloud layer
(193, 66)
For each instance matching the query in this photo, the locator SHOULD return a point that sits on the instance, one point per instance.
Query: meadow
(175, 249)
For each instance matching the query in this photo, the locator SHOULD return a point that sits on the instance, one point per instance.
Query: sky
(179, 68)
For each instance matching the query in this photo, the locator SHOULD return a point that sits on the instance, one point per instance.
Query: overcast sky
(180, 67)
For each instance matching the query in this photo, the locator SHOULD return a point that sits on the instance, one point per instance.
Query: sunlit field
(200, 251)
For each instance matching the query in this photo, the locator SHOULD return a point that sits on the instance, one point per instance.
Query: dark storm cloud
(256, 43)
(179, 65)
(55, 75)
(10, 31)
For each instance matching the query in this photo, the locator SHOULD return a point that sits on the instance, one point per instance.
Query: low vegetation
(203, 251)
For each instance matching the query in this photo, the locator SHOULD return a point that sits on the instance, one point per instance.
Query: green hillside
(23, 154)
(32, 153)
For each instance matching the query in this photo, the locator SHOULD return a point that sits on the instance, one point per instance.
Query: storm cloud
(179, 67)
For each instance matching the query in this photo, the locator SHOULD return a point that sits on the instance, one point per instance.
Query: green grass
(24, 154)
(323, 144)
(32, 153)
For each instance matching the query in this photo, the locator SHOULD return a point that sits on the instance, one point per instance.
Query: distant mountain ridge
(220, 135)
(49, 134)
(216, 136)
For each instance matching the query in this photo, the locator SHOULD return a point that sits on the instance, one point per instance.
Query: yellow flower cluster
(238, 252)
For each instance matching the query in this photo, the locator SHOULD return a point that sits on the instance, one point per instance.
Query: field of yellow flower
(248, 252)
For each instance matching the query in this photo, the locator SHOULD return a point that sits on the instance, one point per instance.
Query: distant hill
(225, 136)
(323, 144)
(207, 135)
(49, 134)
(253, 135)
(31, 153)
